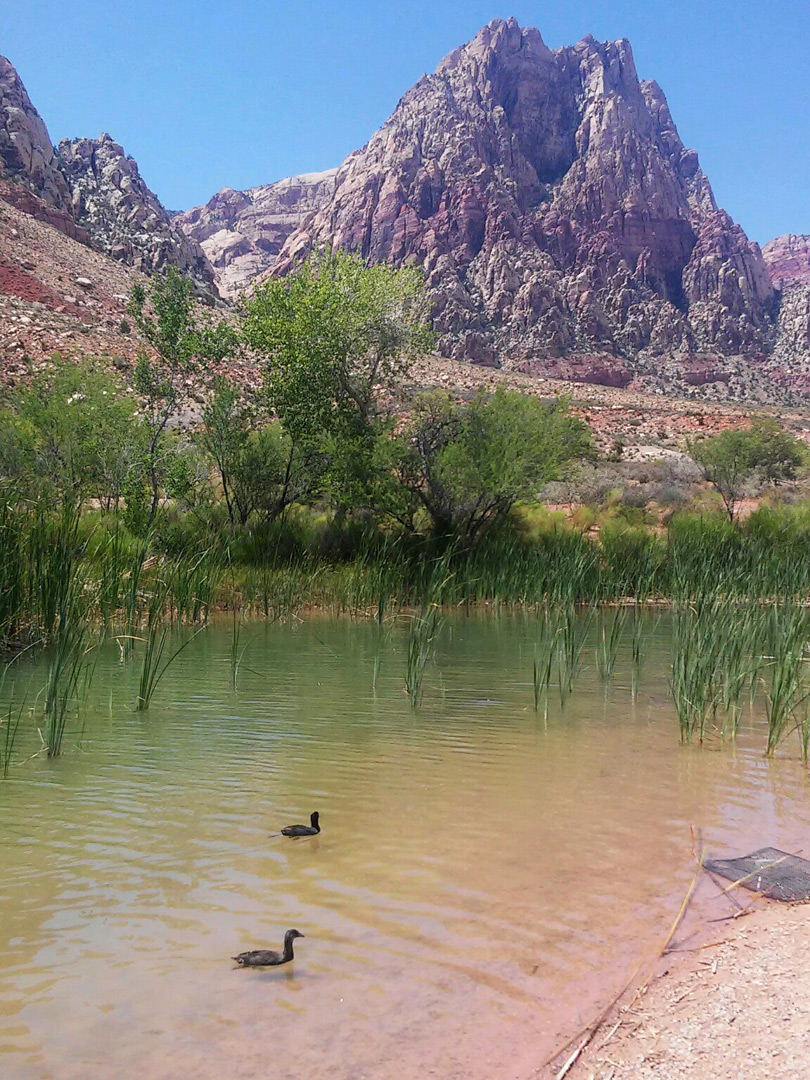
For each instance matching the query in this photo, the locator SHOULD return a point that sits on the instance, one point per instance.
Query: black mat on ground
(774, 873)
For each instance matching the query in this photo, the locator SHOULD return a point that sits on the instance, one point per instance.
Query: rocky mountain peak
(122, 216)
(553, 206)
(26, 152)
(243, 232)
(788, 260)
(90, 190)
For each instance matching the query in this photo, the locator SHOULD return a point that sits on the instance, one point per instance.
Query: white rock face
(242, 232)
(122, 216)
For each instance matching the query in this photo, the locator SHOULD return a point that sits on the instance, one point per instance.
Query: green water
(484, 881)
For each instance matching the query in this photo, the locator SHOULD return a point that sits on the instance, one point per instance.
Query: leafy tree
(468, 464)
(261, 469)
(334, 336)
(732, 460)
(71, 433)
(181, 345)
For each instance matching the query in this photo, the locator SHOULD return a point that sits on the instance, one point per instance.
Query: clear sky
(208, 93)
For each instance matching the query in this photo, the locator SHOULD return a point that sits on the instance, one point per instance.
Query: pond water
(484, 882)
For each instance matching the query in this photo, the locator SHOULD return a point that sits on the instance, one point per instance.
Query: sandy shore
(736, 1008)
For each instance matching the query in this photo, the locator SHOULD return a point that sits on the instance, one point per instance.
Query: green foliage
(468, 464)
(262, 470)
(71, 433)
(331, 337)
(331, 334)
(733, 458)
(182, 344)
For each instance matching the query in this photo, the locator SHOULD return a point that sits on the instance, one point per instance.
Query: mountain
(242, 232)
(554, 208)
(122, 216)
(88, 189)
(788, 260)
(26, 152)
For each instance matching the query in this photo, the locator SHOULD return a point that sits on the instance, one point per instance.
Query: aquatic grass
(571, 636)
(9, 724)
(786, 685)
(67, 663)
(154, 667)
(610, 631)
(638, 639)
(139, 560)
(12, 570)
(421, 639)
(52, 556)
(545, 651)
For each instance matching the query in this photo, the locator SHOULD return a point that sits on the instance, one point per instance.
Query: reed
(421, 642)
(545, 651)
(132, 595)
(9, 726)
(67, 664)
(571, 637)
(610, 631)
(638, 637)
(12, 571)
(154, 667)
(52, 557)
(787, 689)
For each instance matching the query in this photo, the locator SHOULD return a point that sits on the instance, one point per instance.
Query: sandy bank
(735, 1009)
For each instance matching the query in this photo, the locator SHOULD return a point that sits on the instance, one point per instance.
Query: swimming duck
(303, 830)
(269, 957)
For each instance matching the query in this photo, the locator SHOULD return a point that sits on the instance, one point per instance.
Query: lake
(486, 878)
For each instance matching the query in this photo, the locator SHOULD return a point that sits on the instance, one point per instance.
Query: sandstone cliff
(89, 190)
(122, 216)
(26, 151)
(553, 207)
(788, 260)
(242, 232)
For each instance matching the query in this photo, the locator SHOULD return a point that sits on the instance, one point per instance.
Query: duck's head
(313, 819)
(292, 934)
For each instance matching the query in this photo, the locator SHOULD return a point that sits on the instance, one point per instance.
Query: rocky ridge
(89, 189)
(26, 152)
(555, 210)
(243, 232)
(122, 216)
(788, 260)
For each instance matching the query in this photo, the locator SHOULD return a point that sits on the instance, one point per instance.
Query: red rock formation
(553, 207)
(788, 260)
(242, 232)
(24, 200)
(90, 190)
(26, 151)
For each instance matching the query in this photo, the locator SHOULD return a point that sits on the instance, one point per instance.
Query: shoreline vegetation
(329, 489)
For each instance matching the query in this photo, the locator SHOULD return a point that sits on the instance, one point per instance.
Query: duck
(304, 830)
(269, 957)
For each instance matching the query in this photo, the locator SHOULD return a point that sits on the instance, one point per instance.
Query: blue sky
(209, 93)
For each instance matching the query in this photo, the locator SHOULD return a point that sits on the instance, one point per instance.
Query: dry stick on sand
(590, 1031)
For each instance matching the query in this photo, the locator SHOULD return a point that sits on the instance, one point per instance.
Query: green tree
(261, 469)
(181, 346)
(71, 433)
(468, 464)
(734, 459)
(335, 337)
